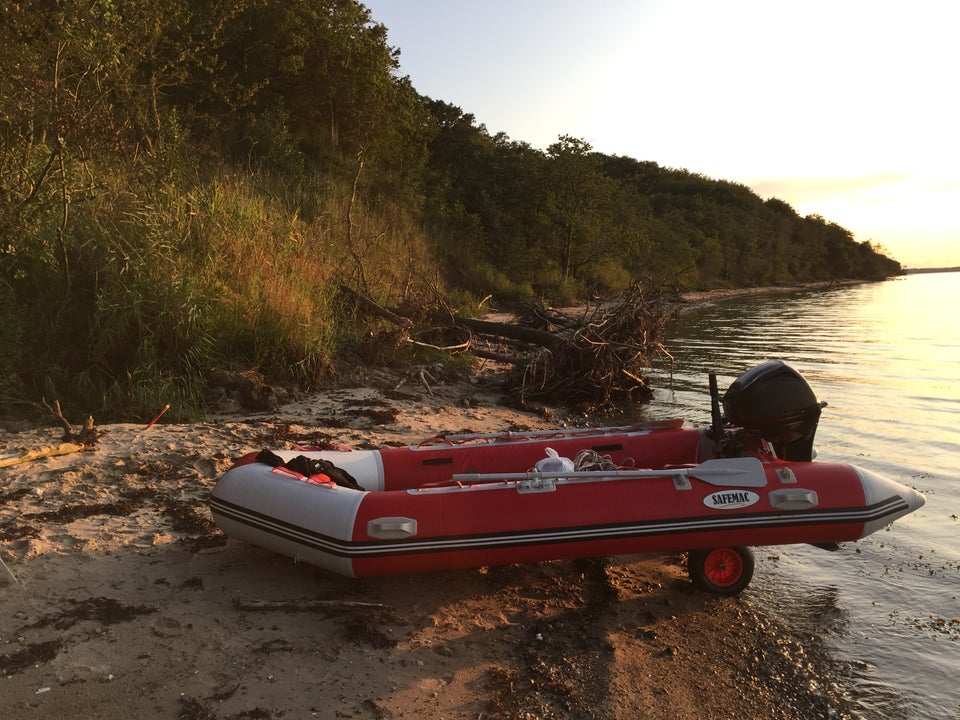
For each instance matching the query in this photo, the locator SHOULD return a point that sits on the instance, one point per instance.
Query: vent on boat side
(775, 401)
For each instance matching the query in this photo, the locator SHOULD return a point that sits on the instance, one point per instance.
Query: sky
(847, 109)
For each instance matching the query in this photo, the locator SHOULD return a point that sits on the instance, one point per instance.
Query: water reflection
(886, 359)
(819, 617)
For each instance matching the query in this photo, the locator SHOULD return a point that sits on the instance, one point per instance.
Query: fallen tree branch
(376, 308)
(86, 436)
(70, 443)
(589, 356)
(495, 356)
(49, 451)
(57, 415)
(308, 605)
(423, 378)
(520, 333)
(447, 348)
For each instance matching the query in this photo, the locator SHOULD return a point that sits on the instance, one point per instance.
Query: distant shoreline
(919, 271)
(699, 297)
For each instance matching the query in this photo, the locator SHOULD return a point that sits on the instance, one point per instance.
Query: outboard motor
(774, 401)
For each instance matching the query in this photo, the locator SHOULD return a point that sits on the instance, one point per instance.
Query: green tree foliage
(710, 232)
(484, 201)
(173, 200)
(579, 205)
(184, 185)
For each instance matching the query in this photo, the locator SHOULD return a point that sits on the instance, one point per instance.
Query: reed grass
(156, 286)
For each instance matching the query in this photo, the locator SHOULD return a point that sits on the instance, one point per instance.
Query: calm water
(886, 358)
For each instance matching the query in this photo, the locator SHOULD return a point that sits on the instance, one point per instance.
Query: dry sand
(124, 605)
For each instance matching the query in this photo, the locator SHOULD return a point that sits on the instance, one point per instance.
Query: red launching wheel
(722, 571)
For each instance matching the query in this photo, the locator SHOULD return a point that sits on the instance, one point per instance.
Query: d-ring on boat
(474, 500)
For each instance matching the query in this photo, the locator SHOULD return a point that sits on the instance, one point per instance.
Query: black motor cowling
(775, 401)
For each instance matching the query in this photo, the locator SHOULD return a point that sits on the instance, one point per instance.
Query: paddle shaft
(560, 433)
(746, 472)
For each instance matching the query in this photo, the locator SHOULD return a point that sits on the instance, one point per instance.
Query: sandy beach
(128, 602)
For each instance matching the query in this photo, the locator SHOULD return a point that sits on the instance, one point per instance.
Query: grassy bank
(154, 288)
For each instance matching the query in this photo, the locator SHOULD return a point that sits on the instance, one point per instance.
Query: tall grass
(158, 284)
(271, 277)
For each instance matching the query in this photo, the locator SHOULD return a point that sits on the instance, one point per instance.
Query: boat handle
(793, 499)
(392, 528)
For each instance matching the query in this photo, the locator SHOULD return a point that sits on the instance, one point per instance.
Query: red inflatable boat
(476, 500)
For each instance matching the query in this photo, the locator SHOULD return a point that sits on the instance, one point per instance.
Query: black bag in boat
(310, 466)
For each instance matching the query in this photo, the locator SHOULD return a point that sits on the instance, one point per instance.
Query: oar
(726, 472)
(561, 433)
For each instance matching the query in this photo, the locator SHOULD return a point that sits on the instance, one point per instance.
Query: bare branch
(87, 434)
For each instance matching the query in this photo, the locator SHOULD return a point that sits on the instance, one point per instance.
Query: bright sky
(843, 108)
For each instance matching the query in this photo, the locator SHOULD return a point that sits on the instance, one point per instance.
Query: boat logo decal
(731, 499)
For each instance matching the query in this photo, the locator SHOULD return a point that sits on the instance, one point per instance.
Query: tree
(578, 204)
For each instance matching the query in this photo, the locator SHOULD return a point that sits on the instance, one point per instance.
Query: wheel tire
(721, 571)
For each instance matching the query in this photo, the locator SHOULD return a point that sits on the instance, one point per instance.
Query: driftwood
(422, 374)
(602, 353)
(87, 434)
(374, 308)
(310, 605)
(593, 355)
(49, 451)
(509, 331)
(376, 612)
(71, 441)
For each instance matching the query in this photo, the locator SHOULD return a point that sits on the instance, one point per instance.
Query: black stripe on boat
(380, 548)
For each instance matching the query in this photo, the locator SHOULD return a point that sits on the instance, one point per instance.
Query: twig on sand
(9, 572)
(423, 378)
(376, 612)
(308, 605)
(422, 373)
